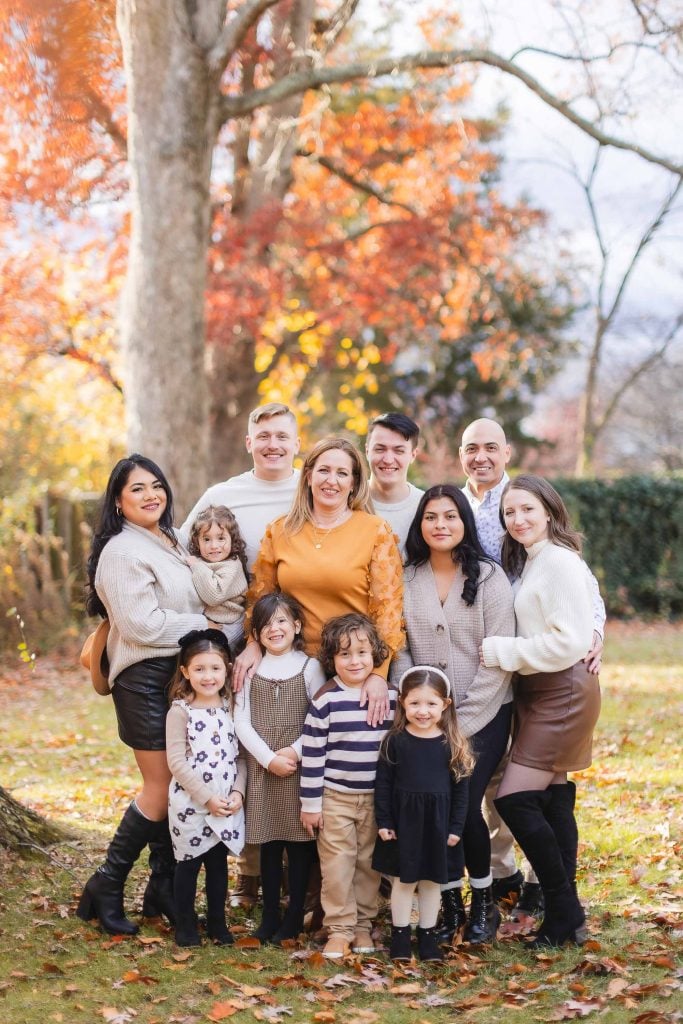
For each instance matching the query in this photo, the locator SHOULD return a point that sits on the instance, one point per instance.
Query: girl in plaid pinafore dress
(269, 719)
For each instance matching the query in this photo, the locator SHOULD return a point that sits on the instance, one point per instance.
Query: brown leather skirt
(555, 713)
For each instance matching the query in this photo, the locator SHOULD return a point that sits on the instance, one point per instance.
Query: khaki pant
(249, 861)
(350, 888)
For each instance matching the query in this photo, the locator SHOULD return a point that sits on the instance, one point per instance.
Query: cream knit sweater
(553, 606)
(147, 589)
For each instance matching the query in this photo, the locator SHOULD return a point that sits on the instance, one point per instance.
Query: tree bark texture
(21, 827)
(172, 126)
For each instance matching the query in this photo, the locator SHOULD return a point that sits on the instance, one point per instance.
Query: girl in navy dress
(420, 805)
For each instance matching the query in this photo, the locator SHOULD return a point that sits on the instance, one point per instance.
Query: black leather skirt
(140, 696)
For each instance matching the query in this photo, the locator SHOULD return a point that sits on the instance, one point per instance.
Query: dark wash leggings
(488, 747)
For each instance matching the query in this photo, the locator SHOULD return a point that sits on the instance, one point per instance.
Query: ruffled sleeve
(265, 575)
(385, 591)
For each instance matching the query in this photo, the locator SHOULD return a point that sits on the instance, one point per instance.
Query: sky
(543, 152)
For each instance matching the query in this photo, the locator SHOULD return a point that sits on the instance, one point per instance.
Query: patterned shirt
(487, 517)
(340, 749)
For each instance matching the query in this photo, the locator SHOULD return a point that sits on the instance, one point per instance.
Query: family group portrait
(341, 560)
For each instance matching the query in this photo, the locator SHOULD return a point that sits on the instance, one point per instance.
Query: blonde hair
(266, 412)
(302, 507)
(461, 761)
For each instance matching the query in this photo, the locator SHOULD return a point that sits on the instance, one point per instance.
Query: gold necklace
(319, 537)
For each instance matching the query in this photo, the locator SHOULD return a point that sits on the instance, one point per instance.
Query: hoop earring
(119, 510)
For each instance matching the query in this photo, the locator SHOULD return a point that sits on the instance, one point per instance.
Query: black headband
(214, 636)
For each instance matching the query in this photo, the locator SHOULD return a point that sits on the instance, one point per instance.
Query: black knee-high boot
(216, 868)
(103, 893)
(184, 894)
(299, 860)
(524, 814)
(271, 880)
(158, 898)
(559, 813)
(560, 816)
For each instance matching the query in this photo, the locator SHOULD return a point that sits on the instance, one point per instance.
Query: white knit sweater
(553, 606)
(146, 587)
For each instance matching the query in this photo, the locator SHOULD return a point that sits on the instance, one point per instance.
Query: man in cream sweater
(255, 498)
(390, 448)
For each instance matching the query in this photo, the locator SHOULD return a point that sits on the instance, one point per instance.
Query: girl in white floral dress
(208, 785)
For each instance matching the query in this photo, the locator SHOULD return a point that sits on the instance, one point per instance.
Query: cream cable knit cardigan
(554, 609)
(448, 636)
(147, 589)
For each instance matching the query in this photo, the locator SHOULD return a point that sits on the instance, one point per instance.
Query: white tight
(429, 901)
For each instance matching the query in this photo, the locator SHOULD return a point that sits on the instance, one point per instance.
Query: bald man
(484, 454)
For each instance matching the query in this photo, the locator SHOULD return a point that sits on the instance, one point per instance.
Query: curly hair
(179, 687)
(560, 530)
(336, 636)
(469, 553)
(462, 759)
(224, 518)
(267, 606)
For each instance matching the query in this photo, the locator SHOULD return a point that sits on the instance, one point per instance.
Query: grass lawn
(61, 755)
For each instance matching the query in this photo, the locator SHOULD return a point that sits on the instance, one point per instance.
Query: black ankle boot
(399, 947)
(291, 927)
(186, 933)
(270, 922)
(530, 902)
(158, 897)
(524, 814)
(103, 894)
(428, 948)
(453, 914)
(484, 917)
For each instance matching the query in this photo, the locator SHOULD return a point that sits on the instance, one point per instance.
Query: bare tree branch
(644, 241)
(234, 31)
(355, 182)
(583, 58)
(636, 373)
(315, 78)
(329, 29)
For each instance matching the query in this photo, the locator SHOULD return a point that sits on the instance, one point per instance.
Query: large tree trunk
(263, 175)
(172, 126)
(21, 828)
(233, 383)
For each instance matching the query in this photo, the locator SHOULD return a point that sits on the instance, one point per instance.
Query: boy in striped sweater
(339, 762)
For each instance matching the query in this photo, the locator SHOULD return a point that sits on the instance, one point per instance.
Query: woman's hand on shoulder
(375, 693)
(245, 665)
(386, 834)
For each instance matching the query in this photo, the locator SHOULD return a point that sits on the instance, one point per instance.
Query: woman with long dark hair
(557, 700)
(139, 579)
(453, 594)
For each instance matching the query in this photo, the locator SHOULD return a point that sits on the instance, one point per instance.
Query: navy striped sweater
(340, 750)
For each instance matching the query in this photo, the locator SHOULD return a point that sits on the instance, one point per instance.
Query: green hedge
(633, 540)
